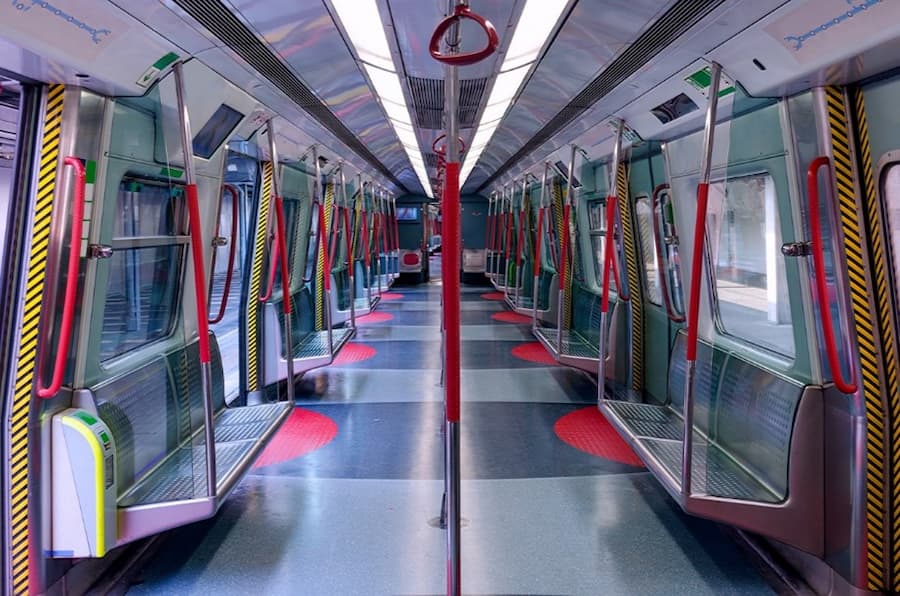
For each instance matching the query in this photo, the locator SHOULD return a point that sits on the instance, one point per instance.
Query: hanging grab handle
(62, 347)
(463, 12)
(232, 252)
(815, 225)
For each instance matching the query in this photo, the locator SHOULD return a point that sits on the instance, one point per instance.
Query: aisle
(342, 502)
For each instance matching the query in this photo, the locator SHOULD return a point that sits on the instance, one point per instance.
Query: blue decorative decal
(799, 40)
(97, 35)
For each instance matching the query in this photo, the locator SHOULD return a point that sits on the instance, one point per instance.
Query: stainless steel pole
(349, 244)
(539, 239)
(607, 261)
(696, 271)
(209, 431)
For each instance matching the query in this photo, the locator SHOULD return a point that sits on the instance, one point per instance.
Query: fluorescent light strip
(536, 23)
(362, 22)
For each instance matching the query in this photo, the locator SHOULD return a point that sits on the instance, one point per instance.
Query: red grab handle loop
(441, 150)
(463, 12)
(815, 225)
(65, 330)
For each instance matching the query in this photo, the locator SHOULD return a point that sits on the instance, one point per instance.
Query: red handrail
(281, 239)
(539, 243)
(365, 233)
(200, 286)
(815, 224)
(520, 234)
(463, 12)
(273, 264)
(68, 314)
(450, 257)
(232, 251)
(609, 260)
(348, 241)
(335, 229)
(660, 257)
(696, 269)
(611, 225)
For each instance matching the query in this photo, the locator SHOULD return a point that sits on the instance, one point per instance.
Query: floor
(345, 500)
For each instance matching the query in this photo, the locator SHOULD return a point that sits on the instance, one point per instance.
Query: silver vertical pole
(705, 168)
(610, 229)
(187, 147)
(285, 284)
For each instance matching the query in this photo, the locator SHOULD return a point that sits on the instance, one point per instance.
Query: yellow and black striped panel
(19, 489)
(320, 263)
(634, 280)
(883, 301)
(867, 340)
(259, 249)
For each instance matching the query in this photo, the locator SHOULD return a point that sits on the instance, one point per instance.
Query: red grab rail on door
(696, 269)
(68, 314)
(564, 247)
(539, 243)
(323, 246)
(815, 225)
(283, 256)
(463, 12)
(232, 251)
(199, 274)
(609, 260)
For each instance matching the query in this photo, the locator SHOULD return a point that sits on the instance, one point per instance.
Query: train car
(403, 297)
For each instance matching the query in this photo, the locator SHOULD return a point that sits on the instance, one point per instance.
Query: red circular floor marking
(533, 351)
(302, 432)
(354, 352)
(374, 317)
(493, 296)
(391, 296)
(587, 430)
(507, 316)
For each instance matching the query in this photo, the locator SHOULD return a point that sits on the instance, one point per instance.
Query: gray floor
(600, 534)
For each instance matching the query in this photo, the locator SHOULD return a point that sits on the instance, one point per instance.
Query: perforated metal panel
(428, 101)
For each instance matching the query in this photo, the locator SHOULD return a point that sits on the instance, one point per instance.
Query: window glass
(644, 211)
(145, 269)
(669, 241)
(891, 193)
(744, 244)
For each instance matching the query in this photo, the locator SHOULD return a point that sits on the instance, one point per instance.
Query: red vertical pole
(450, 267)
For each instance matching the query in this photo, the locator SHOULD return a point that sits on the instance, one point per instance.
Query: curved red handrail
(657, 242)
(323, 246)
(348, 241)
(335, 229)
(365, 233)
(609, 260)
(815, 224)
(621, 291)
(520, 237)
(68, 314)
(200, 286)
(281, 239)
(232, 252)
(463, 12)
(696, 269)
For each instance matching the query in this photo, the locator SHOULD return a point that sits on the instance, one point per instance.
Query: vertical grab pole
(376, 225)
(396, 237)
(487, 234)
(283, 258)
(538, 242)
(564, 254)
(696, 272)
(197, 246)
(520, 245)
(367, 250)
(351, 263)
(608, 260)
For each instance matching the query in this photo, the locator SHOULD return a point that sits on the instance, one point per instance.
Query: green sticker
(165, 60)
(86, 418)
(171, 172)
(90, 171)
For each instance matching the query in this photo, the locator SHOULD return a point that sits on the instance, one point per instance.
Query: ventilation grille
(431, 159)
(219, 20)
(675, 22)
(428, 101)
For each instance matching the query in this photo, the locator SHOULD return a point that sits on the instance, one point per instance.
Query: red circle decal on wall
(587, 430)
(302, 432)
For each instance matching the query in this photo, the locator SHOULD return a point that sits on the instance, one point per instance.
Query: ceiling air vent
(221, 22)
(428, 101)
(662, 33)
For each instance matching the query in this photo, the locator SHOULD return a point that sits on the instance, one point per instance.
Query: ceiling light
(533, 29)
(359, 19)
(363, 25)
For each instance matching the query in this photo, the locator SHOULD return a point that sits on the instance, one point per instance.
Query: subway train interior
(450, 296)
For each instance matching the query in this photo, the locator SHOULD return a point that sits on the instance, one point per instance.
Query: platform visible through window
(750, 281)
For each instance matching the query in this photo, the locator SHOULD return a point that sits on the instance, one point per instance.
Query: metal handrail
(348, 241)
(818, 250)
(539, 242)
(609, 261)
(696, 272)
(68, 314)
(232, 253)
(273, 265)
(661, 257)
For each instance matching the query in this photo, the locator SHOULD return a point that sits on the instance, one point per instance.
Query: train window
(891, 192)
(750, 280)
(149, 248)
(215, 131)
(668, 241)
(644, 212)
(597, 220)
